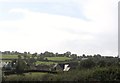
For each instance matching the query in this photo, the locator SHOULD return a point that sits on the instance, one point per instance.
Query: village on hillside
(15, 64)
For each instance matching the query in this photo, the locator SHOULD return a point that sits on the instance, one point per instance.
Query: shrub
(101, 63)
(107, 74)
(89, 63)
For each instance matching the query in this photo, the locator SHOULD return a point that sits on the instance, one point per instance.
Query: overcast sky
(79, 26)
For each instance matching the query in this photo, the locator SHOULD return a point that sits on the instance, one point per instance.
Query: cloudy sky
(79, 26)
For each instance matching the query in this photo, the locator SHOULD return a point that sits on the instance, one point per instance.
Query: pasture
(9, 56)
(45, 63)
(58, 58)
(26, 76)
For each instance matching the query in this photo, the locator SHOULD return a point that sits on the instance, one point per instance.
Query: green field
(38, 62)
(6, 60)
(58, 58)
(9, 56)
(45, 63)
(49, 58)
(26, 76)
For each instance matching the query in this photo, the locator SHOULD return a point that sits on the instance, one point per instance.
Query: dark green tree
(101, 63)
(20, 64)
(88, 63)
(67, 54)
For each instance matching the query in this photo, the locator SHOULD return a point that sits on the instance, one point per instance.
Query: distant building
(3, 64)
(66, 67)
(6, 65)
(84, 58)
(61, 67)
(57, 67)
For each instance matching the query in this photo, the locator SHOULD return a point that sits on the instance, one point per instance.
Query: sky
(79, 26)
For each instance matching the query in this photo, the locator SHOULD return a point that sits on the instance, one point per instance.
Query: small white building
(61, 67)
(66, 67)
(84, 58)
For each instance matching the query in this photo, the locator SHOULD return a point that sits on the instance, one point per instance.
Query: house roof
(62, 65)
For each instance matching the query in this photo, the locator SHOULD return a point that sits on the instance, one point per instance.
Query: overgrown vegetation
(82, 68)
(25, 77)
(94, 74)
(58, 58)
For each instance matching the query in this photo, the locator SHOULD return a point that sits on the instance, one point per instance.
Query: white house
(61, 67)
(66, 67)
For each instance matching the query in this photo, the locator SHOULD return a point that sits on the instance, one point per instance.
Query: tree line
(51, 54)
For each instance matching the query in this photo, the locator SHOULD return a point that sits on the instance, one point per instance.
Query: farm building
(84, 58)
(6, 65)
(66, 67)
(61, 67)
(57, 67)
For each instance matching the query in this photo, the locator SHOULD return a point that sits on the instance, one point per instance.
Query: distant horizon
(62, 53)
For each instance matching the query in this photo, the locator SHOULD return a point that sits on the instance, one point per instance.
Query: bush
(94, 74)
(107, 74)
(101, 63)
(89, 63)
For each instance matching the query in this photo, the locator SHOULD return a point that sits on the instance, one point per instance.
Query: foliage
(44, 62)
(9, 56)
(20, 64)
(94, 68)
(58, 58)
(101, 63)
(26, 77)
(107, 74)
(88, 63)
(95, 74)
(40, 58)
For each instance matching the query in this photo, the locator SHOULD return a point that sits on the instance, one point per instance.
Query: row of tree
(51, 54)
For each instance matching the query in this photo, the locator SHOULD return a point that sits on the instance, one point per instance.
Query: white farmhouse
(66, 67)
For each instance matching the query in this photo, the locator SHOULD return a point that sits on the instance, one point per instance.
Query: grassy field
(6, 60)
(49, 58)
(45, 63)
(58, 58)
(9, 56)
(26, 76)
